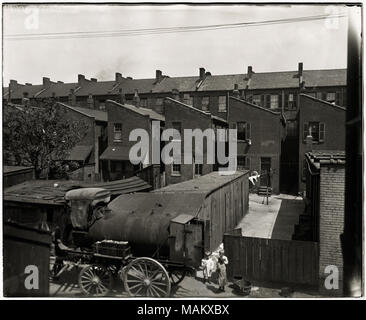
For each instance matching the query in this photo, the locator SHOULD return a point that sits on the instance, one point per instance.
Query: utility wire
(166, 30)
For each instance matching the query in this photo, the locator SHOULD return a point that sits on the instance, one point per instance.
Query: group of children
(213, 263)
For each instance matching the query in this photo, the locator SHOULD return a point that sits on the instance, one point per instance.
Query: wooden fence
(271, 260)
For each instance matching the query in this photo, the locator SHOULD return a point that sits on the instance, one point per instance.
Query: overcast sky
(267, 48)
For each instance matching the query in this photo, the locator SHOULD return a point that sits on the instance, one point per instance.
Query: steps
(262, 191)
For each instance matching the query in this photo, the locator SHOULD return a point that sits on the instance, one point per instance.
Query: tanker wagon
(148, 240)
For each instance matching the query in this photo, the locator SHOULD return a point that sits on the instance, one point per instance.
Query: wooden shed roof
(204, 184)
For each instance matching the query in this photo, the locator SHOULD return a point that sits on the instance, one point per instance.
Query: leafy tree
(39, 135)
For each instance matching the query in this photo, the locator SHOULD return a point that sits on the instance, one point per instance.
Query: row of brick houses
(271, 111)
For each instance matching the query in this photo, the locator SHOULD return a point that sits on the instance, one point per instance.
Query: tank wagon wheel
(177, 276)
(95, 280)
(145, 277)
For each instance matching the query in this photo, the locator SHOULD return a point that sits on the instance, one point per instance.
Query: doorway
(265, 179)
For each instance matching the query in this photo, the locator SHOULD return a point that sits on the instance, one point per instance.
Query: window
(159, 101)
(319, 95)
(117, 132)
(331, 97)
(243, 163)
(187, 99)
(316, 130)
(291, 104)
(205, 103)
(257, 99)
(117, 166)
(222, 103)
(198, 169)
(143, 103)
(274, 101)
(177, 126)
(243, 131)
(176, 169)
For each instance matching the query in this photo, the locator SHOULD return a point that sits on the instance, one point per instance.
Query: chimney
(94, 79)
(122, 97)
(81, 79)
(158, 75)
(236, 90)
(300, 70)
(72, 98)
(46, 82)
(175, 94)
(118, 77)
(136, 99)
(90, 101)
(202, 73)
(309, 142)
(250, 72)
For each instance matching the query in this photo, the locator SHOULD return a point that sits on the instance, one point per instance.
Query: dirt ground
(191, 286)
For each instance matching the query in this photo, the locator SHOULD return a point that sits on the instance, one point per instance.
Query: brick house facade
(326, 122)
(124, 118)
(180, 116)
(260, 132)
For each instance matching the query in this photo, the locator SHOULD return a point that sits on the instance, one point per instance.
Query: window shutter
(324, 96)
(338, 99)
(262, 100)
(306, 131)
(268, 101)
(286, 100)
(248, 131)
(247, 162)
(321, 132)
(280, 101)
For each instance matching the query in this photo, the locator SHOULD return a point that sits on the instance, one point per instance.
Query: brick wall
(331, 222)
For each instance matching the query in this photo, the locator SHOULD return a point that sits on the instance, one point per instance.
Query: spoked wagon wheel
(95, 280)
(145, 277)
(177, 276)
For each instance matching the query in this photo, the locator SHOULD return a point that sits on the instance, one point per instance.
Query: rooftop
(260, 80)
(317, 158)
(203, 184)
(52, 192)
(98, 115)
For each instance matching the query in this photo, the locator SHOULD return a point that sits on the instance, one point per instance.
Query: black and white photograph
(182, 150)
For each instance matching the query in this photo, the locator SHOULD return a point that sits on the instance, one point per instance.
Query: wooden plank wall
(271, 260)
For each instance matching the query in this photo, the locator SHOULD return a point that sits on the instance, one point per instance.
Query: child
(221, 268)
(207, 266)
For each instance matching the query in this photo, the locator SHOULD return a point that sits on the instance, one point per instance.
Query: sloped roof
(116, 153)
(274, 80)
(182, 84)
(322, 101)
(79, 153)
(206, 113)
(203, 184)
(59, 89)
(96, 88)
(141, 111)
(223, 82)
(255, 106)
(130, 85)
(46, 191)
(8, 170)
(98, 115)
(32, 91)
(325, 78)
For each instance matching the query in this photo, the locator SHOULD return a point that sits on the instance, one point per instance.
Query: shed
(24, 247)
(13, 175)
(225, 202)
